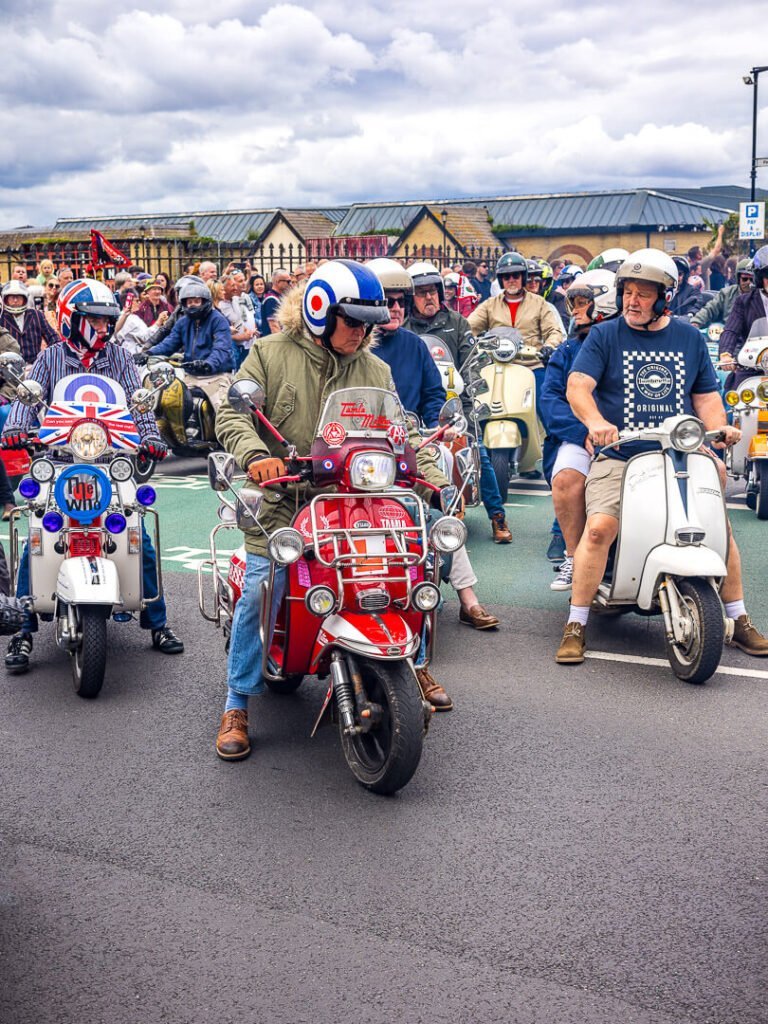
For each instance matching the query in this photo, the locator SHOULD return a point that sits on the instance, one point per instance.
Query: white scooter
(672, 546)
(85, 514)
(749, 402)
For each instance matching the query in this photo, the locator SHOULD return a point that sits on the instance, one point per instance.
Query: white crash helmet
(654, 267)
(392, 275)
(608, 259)
(427, 273)
(15, 287)
(599, 286)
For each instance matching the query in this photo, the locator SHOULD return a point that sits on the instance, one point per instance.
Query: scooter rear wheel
(698, 660)
(89, 661)
(384, 759)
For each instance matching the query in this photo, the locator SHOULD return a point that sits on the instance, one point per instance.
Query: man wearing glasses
(281, 283)
(26, 325)
(479, 279)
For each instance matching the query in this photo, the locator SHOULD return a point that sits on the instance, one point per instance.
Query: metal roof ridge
(670, 197)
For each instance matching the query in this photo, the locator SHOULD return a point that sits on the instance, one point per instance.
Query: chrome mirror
(246, 396)
(248, 508)
(142, 400)
(30, 392)
(450, 410)
(221, 470)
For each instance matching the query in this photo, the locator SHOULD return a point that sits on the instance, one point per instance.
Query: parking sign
(751, 220)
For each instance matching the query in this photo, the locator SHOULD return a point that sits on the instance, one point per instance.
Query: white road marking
(636, 659)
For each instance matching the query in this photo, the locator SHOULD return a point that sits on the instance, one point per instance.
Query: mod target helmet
(82, 298)
(342, 287)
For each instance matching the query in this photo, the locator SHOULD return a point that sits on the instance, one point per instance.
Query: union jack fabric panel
(62, 416)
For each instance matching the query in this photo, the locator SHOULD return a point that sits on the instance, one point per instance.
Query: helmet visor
(98, 309)
(366, 313)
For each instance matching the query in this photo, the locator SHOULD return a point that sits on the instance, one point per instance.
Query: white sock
(579, 613)
(733, 609)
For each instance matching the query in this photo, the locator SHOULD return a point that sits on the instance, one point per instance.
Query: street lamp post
(752, 79)
(444, 218)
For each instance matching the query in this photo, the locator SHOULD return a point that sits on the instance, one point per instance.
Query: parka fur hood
(290, 318)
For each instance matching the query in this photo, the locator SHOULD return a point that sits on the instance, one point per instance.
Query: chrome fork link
(345, 697)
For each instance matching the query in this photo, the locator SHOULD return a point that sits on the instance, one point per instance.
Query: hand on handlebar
(728, 436)
(264, 468)
(728, 364)
(545, 353)
(16, 441)
(602, 433)
(199, 368)
(153, 449)
(141, 358)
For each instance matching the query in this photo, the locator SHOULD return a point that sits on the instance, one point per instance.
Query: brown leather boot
(748, 638)
(432, 691)
(232, 743)
(573, 645)
(501, 532)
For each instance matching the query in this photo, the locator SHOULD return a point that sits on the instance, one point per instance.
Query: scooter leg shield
(173, 409)
(502, 434)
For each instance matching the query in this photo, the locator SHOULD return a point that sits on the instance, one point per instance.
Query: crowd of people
(581, 322)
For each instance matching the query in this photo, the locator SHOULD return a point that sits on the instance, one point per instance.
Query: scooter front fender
(384, 636)
(88, 581)
(685, 561)
(502, 434)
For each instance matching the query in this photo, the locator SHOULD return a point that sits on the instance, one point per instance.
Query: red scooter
(360, 594)
(16, 463)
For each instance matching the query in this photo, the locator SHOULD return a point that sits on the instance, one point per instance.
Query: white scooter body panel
(653, 508)
(88, 581)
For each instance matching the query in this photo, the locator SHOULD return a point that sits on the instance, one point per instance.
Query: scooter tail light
(134, 540)
(35, 541)
(84, 545)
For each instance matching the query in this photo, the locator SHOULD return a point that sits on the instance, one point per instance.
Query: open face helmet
(599, 287)
(568, 274)
(80, 299)
(15, 287)
(346, 288)
(427, 273)
(608, 259)
(683, 265)
(512, 263)
(653, 267)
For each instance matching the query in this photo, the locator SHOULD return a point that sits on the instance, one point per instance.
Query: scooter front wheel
(288, 685)
(501, 461)
(385, 758)
(89, 661)
(698, 659)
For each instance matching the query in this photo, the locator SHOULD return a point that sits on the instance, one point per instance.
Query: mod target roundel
(317, 298)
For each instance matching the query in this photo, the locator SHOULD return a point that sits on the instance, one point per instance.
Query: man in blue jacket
(590, 299)
(202, 333)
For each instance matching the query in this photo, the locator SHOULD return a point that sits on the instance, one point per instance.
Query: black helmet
(512, 263)
(683, 265)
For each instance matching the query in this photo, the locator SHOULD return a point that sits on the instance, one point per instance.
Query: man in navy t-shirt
(634, 372)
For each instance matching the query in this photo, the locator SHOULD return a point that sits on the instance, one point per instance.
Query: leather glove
(199, 368)
(141, 358)
(153, 449)
(18, 440)
(265, 468)
(545, 353)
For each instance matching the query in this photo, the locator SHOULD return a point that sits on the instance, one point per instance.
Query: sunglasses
(517, 273)
(52, 286)
(395, 301)
(352, 323)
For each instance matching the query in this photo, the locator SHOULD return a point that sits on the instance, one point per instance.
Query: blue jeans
(244, 662)
(489, 485)
(239, 352)
(151, 617)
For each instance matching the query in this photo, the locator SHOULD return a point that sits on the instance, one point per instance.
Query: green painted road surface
(516, 574)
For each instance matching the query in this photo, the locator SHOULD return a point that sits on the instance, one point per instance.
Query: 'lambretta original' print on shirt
(645, 376)
(654, 387)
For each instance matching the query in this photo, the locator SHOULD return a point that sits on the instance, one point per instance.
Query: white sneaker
(564, 578)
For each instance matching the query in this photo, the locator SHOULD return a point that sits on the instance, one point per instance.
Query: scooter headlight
(286, 546)
(372, 471)
(762, 391)
(42, 470)
(88, 441)
(425, 597)
(320, 600)
(747, 395)
(448, 535)
(688, 435)
(731, 397)
(762, 360)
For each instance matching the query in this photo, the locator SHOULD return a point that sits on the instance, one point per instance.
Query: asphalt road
(582, 844)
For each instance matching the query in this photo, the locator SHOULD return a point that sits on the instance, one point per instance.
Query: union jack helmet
(81, 298)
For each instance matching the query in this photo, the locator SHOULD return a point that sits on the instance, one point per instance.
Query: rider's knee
(601, 530)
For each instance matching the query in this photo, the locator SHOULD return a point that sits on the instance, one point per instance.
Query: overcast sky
(226, 104)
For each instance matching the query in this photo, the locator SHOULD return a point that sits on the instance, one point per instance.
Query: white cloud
(185, 105)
